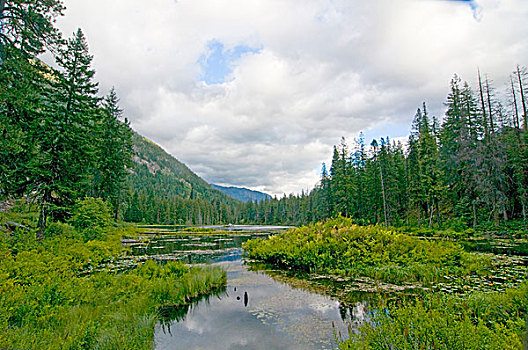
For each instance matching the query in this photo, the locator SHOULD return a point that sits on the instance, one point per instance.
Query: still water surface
(254, 311)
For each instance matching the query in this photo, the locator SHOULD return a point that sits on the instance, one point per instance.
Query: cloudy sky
(255, 93)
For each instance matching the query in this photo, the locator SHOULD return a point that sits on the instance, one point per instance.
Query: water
(254, 311)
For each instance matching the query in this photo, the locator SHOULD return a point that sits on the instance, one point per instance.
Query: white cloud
(325, 69)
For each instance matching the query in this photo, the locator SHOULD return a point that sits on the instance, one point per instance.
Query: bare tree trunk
(523, 201)
(438, 214)
(431, 209)
(492, 126)
(116, 209)
(516, 116)
(522, 98)
(43, 216)
(484, 117)
(384, 200)
(495, 215)
(474, 215)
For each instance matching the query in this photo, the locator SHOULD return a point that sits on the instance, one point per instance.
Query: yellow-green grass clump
(49, 301)
(439, 321)
(338, 246)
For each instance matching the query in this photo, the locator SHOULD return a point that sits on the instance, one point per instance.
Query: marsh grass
(339, 246)
(47, 301)
(440, 321)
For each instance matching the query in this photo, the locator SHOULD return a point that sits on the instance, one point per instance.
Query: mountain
(163, 190)
(242, 194)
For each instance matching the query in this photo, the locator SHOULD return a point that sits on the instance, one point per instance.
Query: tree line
(468, 168)
(160, 189)
(60, 140)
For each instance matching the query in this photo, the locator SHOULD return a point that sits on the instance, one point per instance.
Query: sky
(255, 93)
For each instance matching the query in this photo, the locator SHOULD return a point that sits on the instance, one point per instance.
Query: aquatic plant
(440, 321)
(338, 246)
(48, 301)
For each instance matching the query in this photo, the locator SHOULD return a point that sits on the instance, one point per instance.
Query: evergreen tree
(67, 133)
(339, 186)
(114, 153)
(423, 168)
(27, 27)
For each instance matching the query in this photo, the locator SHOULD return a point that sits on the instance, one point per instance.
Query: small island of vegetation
(483, 319)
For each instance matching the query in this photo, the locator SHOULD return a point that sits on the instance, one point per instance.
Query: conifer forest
(108, 241)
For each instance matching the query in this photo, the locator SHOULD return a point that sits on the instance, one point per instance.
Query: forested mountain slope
(242, 194)
(161, 189)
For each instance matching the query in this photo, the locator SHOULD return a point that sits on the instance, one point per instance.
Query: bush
(59, 229)
(371, 251)
(92, 217)
(456, 224)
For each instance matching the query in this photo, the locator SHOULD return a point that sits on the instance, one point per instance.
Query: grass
(440, 321)
(340, 247)
(47, 301)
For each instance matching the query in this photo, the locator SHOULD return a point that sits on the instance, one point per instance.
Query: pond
(255, 311)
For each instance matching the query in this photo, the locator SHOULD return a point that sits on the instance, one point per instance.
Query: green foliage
(92, 217)
(114, 154)
(200, 230)
(57, 141)
(163, 190)
(340, 246)
(60, 229)
(479, 321)
(21, 212)
(28, 25)
(48, 301)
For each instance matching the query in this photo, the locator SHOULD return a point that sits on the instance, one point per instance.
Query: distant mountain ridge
(242, 194)
(163, 190)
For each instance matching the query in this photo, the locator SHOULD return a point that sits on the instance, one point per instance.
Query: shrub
(59, 229)
(439, 321)
(92, 217)
(371, 251)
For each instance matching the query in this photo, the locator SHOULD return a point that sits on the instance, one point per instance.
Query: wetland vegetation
(447, 270)
(455, 298)
(340, 247)
(64, 291)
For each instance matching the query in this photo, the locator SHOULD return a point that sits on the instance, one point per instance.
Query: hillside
(163, 190)
(242, 194)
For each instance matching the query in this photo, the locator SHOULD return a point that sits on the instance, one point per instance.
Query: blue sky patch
(474, 7)
(217, 62)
